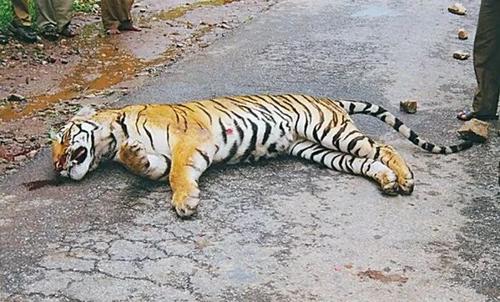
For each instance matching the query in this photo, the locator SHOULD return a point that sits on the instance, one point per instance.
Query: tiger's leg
(350, 140)
(189, 161)
(134, 156)
(344, 162)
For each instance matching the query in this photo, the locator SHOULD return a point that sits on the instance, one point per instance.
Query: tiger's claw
(188, 208)
(186, 204)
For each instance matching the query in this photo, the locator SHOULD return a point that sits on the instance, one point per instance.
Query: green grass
(6, 9)
(85, 6)
(5, 13)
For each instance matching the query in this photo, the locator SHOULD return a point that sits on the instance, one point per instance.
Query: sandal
(22, 33)
(113, 31)
(467, 115)
(128, 25)
(50, 33)
(68, 31)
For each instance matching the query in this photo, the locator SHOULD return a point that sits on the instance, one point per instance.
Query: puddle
(104, 63)
(374, 11)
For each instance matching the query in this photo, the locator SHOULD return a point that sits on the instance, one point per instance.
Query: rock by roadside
(408, 106)
(475, 130)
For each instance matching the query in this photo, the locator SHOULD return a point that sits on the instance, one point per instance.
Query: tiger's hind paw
(388, 183)
(405, 186)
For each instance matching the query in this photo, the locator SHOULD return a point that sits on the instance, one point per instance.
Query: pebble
(20, 158)
(474, 130)
(32, 153)
(457, 9)
(16, 98)
(462, 34)
(20, 139)
(7, 141)
(51, 59)
(408, 106)
(461, 55)
(224, 25)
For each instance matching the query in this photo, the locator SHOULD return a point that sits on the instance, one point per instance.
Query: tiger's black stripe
(148, 133)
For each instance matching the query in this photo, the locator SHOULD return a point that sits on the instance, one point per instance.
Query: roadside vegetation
(85, 6)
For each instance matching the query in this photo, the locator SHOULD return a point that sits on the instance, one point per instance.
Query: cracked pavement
(281, 230)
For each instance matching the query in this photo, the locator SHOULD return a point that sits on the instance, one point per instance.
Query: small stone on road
(474, 130)
(461, 55)
(457, 9)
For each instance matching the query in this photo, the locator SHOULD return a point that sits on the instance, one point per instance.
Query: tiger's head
(73, 147)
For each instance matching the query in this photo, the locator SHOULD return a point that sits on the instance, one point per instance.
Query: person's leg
(46, 20)
(487, 59)
(45, 13)
(20, 26)
(109, 17)
(21, 13)
(126, 22)
(63, 11)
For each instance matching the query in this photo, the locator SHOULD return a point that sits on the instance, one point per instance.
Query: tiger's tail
(360, 107)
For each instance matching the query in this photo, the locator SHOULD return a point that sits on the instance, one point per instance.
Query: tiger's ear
(83, 114)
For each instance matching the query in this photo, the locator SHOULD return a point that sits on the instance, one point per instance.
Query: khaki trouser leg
(115, 11)
(45, 14)
(63, 11)
(21, 12)
(55, 12)
(487, 58)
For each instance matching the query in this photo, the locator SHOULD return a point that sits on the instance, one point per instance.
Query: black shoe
(49, 32)
(22, 33)
(4, 39)
(68, 31)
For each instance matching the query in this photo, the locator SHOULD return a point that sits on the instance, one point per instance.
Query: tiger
(178, 142)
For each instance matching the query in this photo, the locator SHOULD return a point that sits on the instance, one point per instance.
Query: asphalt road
(284, 230)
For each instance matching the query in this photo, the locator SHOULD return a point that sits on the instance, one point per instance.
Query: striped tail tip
(445, 149)
(464, 146)
(456, 148)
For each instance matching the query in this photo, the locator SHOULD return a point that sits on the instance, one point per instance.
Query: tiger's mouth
(79, 155)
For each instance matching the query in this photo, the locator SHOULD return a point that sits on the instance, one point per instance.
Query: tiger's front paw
(388, 183)
(185, 205)
(134, 155)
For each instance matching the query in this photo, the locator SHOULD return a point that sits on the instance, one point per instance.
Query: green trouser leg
(55, 12)
(487, 58)
(21, 12)
(115, 12)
